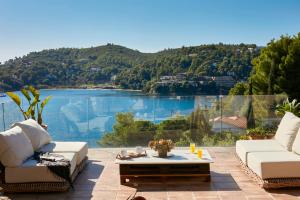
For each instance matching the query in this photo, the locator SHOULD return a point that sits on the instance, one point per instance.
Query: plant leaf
(34, 91)
(28, 112)
(35, 101)
(46, 100)
(26, 94)
(14, 97)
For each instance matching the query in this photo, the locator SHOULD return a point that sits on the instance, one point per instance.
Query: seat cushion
(37, 134)
(243, 147)
(79, 148)
(30, 171)
(15, 147)
(296, 144)
(287, 130)
(275, 164)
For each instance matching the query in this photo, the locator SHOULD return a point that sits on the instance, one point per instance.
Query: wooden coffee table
(181, 164)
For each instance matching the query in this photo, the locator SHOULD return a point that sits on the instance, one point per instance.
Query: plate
(168, 155)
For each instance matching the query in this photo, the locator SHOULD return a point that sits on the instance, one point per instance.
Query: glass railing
(115, 119)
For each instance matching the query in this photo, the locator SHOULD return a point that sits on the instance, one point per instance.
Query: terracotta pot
(270, 136)
(162, 153)
(256, 137)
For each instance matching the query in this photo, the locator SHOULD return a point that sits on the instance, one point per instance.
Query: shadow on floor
(219, 182)
(294, 192)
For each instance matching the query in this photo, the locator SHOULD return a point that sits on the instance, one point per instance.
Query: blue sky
(146, 25)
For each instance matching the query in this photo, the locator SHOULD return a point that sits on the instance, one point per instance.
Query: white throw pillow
(287, 130)
(15, 147)
(37, 134)
(296, 144)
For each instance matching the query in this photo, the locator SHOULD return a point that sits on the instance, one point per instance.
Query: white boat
(2, 95)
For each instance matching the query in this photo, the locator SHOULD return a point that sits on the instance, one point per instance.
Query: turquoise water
(85, 115)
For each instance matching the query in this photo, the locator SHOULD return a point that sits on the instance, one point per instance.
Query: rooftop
(100, 180)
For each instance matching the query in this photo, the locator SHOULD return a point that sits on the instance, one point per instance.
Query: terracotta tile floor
(100, 181)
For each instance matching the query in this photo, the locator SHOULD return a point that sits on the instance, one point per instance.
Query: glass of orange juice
(192, 147)
(200, 153)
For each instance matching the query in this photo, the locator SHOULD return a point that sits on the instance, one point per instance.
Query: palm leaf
(35, 101)
(26, 94)
(40, 119)
(28, 112)
(15, 98)
(46, 100)
(34, 91)
(40, 111)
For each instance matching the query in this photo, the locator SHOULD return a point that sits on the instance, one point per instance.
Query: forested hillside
(131, 69)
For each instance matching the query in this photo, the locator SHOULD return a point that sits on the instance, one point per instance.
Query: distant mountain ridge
(130, 69)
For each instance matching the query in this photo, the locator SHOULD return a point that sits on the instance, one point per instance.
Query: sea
(88, 114)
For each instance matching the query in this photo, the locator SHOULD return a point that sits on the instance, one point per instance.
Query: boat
(2, 95)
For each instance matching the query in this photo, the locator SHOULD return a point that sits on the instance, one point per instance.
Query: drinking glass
(200, 153)
(192, 147)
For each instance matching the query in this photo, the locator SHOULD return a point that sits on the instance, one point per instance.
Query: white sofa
(21, 173)
(274, 163)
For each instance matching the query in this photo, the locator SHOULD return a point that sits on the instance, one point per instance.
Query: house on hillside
(177, 78)
(167, 78)
(225, 81)
(234, 124)
(181, 76)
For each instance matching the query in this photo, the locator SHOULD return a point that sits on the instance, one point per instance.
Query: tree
(133, 70)
(239, 89)
(277, 68)
(129, 132)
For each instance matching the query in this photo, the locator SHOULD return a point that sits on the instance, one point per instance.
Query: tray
(131, 155)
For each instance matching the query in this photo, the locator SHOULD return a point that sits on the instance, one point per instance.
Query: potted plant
(260, 133)
(287, 106)
(161, 146)
(35, 106)
(244, 137)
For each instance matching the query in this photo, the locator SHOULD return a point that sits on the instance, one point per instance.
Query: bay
(85, 115)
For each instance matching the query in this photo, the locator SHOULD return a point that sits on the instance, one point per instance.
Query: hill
(131, 69)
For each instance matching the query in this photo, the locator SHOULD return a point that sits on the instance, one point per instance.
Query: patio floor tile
(100, 180)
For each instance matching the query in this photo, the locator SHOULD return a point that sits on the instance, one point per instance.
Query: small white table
(182, 163)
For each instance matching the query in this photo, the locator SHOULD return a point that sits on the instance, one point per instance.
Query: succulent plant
(288, 106)
(161, 144)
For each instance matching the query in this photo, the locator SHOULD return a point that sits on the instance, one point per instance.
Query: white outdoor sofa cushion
(37, 134)
(31, 172)
(79, 148)
(274, 164)
(296, 144)
(15, 147)
(244, 147)
(287, 130)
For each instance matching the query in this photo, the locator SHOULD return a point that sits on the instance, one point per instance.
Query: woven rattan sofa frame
(40, 186)
(270, 183)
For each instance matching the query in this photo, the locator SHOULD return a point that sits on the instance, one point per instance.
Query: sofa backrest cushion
(37, 134)
(296, 144)
(287, 130)
(15, 147)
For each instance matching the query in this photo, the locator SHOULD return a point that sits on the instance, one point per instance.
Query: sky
(145, 25)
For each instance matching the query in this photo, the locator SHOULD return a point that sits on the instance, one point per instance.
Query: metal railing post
(221, 106)
(3, 116)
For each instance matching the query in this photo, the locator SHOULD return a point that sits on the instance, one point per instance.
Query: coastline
(89, 87)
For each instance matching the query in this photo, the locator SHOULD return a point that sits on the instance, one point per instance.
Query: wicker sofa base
(270, 183)
(42, 186)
